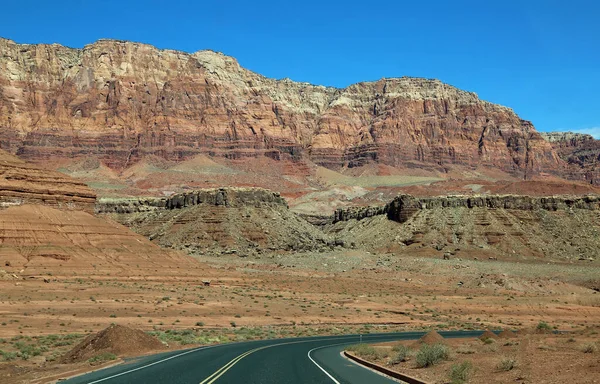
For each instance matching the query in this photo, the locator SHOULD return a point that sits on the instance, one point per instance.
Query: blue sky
(540, 57)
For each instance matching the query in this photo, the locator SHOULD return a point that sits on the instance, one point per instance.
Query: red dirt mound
(430, 338)
(121, 341)
(507, 334)
(488, 335)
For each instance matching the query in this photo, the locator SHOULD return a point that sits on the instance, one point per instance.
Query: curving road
(314, 360)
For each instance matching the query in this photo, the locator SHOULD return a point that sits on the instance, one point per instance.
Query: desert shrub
(465, 349)
(429, 355)
(489, 341)
(543, 326)
(102, 357)
(8, 356)
(400, 354)
(507, 364)
(459, 373)
(589, 348)
(363, 350)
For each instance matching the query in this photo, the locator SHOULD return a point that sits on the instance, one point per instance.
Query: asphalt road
(313, 360)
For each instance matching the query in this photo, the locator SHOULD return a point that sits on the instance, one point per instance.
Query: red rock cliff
(121, 100)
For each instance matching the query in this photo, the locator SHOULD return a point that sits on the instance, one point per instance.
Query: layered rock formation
(42, 239)
(403, 207)
(24, 183)
(237, 221)
(226, 197)
(507, 227)
(580, 151)
(119, 101)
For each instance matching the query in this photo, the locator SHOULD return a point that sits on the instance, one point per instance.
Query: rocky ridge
(509, 227)
(121, 101)
(226, 197)
(403, 207)
(236, 221)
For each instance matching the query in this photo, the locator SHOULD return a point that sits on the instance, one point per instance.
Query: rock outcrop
(120, 101)
(499, 227)
(235, 221)
(580, 151)
(24, 183)
(403, 207)
(225, 197)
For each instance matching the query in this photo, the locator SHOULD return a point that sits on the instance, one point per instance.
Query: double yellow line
(221, 371)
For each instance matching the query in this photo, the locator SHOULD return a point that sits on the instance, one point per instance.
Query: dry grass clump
(507, 364)
(400, 354)
(589, 348)
(429, 355)
(459, 373)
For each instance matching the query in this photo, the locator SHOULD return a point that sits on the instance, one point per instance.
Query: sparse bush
(401, 353)
(8, 356)
(363, 350)
(200, 324)
(101, 358)
(507, 364)
(589, 348)
(465, 349)
(459, 373)
(429, 355)
(543, 326)
(489, 341)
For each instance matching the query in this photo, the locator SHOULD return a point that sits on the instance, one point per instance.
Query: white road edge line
(151, 364)
(220, 345)
(321, 368)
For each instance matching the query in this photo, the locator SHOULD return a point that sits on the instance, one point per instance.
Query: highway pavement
(314, 360)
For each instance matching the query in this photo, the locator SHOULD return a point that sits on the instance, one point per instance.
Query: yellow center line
(221, 371)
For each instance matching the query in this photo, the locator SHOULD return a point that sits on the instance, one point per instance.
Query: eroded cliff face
(120, 101)
(580, 151)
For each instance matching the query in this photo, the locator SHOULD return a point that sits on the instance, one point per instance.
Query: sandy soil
(295, 292)
(538, 358)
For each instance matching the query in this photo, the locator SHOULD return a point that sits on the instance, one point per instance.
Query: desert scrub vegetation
(507, 364)
(543, 326)
(589, 348)
(363, 350)
(429, 355)
(400, 353)
(102, 357)
(459, 373)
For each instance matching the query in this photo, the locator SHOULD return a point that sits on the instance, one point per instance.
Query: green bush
(8, 356)
(401, 353)
(459, 373)
(429, 355)
(543, 326)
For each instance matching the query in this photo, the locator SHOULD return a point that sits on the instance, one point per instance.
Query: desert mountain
(120, 102)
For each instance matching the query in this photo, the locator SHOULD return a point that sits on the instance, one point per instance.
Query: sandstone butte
(120, 101)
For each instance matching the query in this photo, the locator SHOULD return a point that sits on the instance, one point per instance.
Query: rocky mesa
(120, 101)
